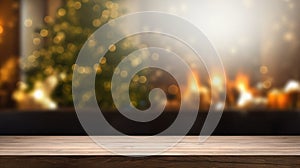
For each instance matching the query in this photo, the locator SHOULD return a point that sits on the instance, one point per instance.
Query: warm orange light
(1, 29)
(193, 82)
(194, 88)
(242, 82)
(283, 101)
(277, 99)
(243, 86)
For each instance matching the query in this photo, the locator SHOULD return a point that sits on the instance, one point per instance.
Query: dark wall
(65, 122)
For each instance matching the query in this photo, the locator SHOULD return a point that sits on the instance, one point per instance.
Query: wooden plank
(214, 146)
(217, 151)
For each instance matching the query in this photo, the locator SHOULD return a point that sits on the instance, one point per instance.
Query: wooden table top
(215, 145)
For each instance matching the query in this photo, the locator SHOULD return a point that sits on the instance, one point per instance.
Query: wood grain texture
(217, 151)
(190, 145)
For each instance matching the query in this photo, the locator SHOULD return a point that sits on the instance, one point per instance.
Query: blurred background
(258, 41)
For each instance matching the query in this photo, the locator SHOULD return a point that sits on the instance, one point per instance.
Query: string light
(124, 74)
(77, 5)
(264, 69)
(61, 12)
(48, 19)
(44, 33)
(36, 41)
(112, 48)
(143, 79)
(173, 89)
(96, 22)
(28, 23)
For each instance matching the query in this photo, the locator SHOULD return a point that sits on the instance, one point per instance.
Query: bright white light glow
(244, 99)
(38, 94)
(292, 86)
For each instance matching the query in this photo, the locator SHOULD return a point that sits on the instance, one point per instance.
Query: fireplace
(257, 41)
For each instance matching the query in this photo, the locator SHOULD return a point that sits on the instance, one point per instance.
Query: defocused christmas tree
(62, 38)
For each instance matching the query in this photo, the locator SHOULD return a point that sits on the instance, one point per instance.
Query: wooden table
(217, 151)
